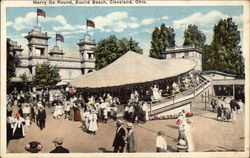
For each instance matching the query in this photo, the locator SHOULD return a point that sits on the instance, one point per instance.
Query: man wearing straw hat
(59, 148)
(161, 145)
(120, 137)
(131, 138)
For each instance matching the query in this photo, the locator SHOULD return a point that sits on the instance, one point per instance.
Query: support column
(205, 100)
(34, 70)
(208, 96)
(234, 91)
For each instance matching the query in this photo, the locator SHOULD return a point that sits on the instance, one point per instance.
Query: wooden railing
(199, 89)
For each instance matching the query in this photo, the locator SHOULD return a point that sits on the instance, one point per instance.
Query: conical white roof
(133, 68)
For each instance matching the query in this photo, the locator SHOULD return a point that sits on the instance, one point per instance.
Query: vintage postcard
(124, 78)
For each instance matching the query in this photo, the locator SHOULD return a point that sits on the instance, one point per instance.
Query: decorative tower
(37, 42)
(38, 47)
(86, 46)
(56, 52)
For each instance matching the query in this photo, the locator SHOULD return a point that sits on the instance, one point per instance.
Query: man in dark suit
(120, 137)
(137, 112)
(232, 104)
(233, 109)
(59, 148)
(41, 117)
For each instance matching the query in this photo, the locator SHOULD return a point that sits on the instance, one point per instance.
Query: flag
(40, 12)
(90, 23)
(59, 37)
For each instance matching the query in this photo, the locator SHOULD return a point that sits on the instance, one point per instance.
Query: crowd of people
(28, 112)
(136, 111)
(34, 105)
(227, 108)
(33, 108)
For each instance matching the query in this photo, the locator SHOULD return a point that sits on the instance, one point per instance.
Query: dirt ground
(208, 134)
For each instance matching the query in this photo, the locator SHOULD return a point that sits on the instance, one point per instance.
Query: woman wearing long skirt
(189, 137)
(10, 125)
(77, 114)
(87, 114)
(93, 122)
(18, 128)
(71, 112)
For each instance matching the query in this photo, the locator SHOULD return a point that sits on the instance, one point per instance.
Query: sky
(136, 22)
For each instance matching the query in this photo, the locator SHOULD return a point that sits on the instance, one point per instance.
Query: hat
(119, 122)
(33, 147)
(129, 125)
(58, 140)
(160, 133)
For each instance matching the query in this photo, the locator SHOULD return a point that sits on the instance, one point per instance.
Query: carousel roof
(133, 68)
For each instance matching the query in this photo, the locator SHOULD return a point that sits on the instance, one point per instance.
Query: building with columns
(69, 68)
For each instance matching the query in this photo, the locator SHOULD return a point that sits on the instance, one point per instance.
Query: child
(27, 123)
(161, 145)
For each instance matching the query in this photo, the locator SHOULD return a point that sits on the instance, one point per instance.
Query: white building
(69, 68)
(189, 52)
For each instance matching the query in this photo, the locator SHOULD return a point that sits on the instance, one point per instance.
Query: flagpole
(56, 42)
(86, 26)
(36, 17)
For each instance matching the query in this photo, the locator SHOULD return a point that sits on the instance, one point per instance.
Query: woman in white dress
(58, 111)
(87, 114)
(188, 134)
(156, 95)
(92, 122)
(146, 109)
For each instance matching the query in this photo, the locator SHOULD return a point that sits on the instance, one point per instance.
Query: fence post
(173, 99)
(205, 100)
(150, 107)
(208, 95)
(234, 91)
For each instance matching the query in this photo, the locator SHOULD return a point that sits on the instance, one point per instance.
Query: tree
(193, 36)
(12, 63)
(46, 76)
(110, 49)
(24, 79)
(162, 38)
(224, 53)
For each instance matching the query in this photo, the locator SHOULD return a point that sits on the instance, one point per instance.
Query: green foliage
(110, 49)
(162, 38)
(24, 79)
(12, 63)
(193, 36)
(46, 76)
(224, 53)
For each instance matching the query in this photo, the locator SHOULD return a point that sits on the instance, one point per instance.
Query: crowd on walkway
(227, 108)
(33, 107)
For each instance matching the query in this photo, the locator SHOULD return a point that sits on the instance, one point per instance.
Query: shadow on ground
(104, 150)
